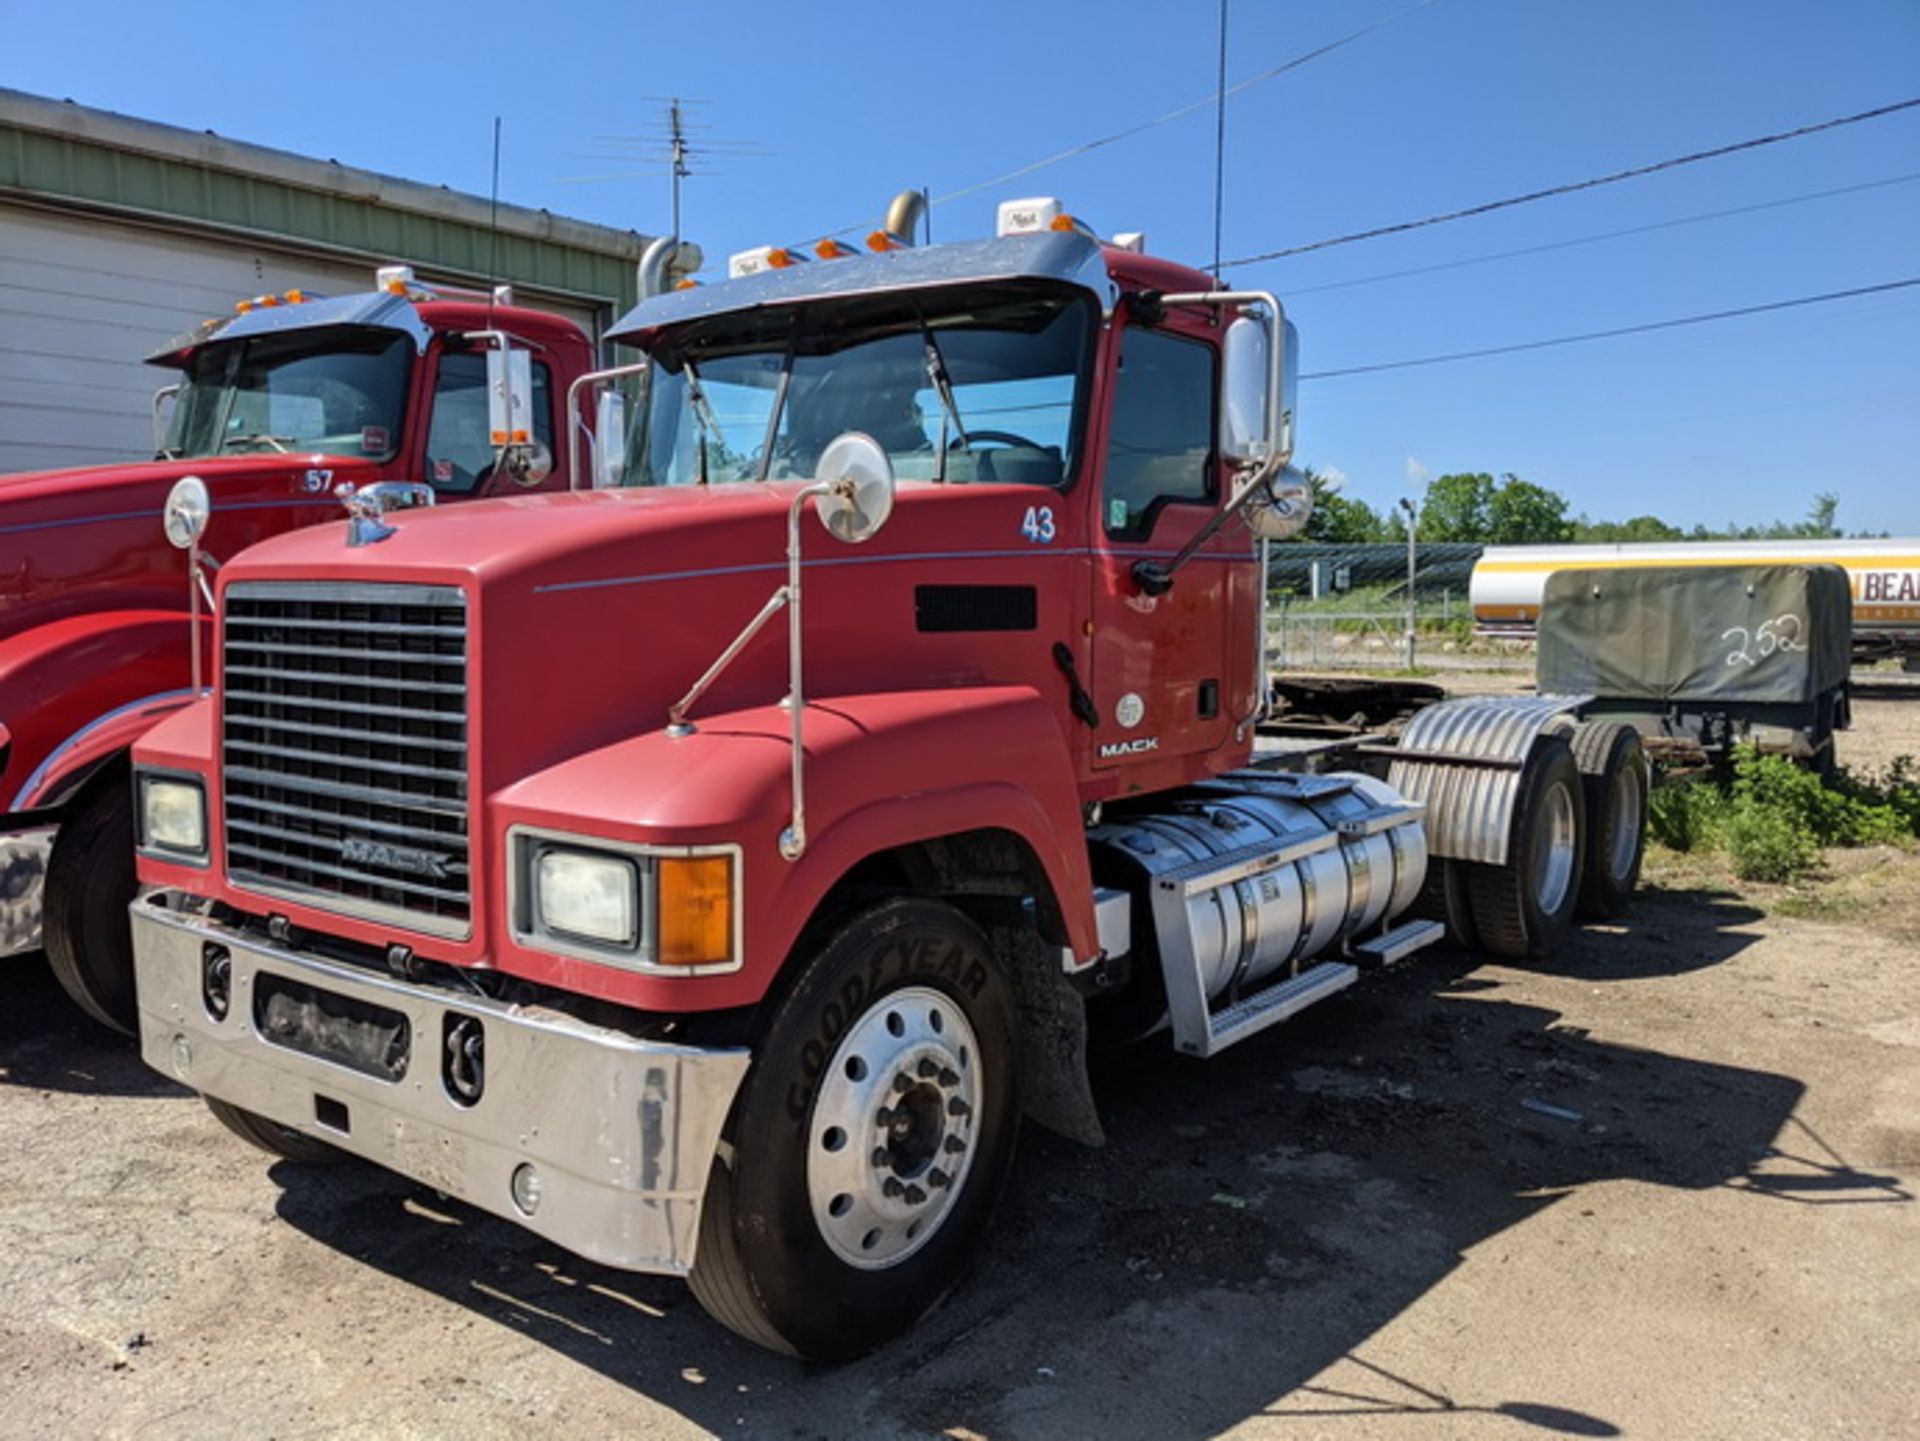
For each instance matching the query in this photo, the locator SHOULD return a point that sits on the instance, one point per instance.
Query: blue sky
(1457, 102)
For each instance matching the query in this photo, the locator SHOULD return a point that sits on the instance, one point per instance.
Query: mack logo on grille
(405, 859)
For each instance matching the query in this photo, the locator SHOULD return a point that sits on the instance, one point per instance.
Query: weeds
(1775, 818)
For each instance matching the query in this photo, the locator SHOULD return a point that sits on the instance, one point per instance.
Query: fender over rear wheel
(1524, 909)
(1616, 778)
(90, 884)
(870, 1140)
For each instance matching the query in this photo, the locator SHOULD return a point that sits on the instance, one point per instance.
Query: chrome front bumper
(23, 885)
(621, 1131)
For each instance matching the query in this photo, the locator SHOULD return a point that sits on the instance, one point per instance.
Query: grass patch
(1774, 820)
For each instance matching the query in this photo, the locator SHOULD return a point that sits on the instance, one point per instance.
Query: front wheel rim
(1553, 872)
(893, 1129)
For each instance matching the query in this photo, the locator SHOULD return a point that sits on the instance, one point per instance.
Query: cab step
(1400, 942)
(1198, 1032)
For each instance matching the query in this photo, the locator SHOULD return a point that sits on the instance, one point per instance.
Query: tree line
(1475, 507)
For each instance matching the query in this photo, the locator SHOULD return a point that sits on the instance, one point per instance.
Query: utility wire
(1220, 96)
(1634, 173)
(1611, 334)
(1293, 290)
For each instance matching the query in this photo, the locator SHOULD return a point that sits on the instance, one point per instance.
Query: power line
(1611, 334)
(1219, 96)
(1486, 207)
(1293, 290)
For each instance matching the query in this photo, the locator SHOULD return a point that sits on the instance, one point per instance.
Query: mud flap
(1055, 1091)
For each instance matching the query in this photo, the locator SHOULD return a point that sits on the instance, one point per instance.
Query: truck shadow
(46, 1044)
(1252, 1223)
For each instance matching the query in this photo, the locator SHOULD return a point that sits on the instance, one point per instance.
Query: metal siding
(82, 300)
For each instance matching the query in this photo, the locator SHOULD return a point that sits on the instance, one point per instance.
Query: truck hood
(90, 539)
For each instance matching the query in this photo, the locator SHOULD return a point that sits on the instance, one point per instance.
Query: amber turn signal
(695, 915)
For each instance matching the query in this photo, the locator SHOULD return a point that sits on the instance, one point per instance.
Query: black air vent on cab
(947, 608)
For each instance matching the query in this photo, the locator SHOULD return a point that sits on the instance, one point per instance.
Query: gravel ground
(1355, 1225)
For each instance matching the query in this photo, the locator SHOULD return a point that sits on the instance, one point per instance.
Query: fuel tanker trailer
(1883, 576)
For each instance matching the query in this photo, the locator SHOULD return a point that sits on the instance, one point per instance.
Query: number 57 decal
(1038, 525)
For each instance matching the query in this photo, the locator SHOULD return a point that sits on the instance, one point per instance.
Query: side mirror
(187, 511)
(1251, 433)
(859, 480)
(609, 438)
(509, 396)
(1246, 362)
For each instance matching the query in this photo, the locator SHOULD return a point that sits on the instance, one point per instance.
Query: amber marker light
(695, 911)
(1063, 222)
(831, 249)
(880, 242)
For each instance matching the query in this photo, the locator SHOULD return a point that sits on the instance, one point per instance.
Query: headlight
(173, 816)
(640, 907)
(587, 895)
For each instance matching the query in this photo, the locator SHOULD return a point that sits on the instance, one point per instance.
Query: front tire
(90, 884)
(870, 1141)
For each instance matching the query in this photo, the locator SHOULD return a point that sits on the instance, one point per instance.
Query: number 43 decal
(1038, 525)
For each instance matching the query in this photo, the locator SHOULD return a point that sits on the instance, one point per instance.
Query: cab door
(1160, 679)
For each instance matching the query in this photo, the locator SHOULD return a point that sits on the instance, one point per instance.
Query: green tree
(1458, 507)
(1522, 513)
(1338, 520)
(1638, 529)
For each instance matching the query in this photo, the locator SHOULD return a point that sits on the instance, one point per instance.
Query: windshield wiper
(943, 387)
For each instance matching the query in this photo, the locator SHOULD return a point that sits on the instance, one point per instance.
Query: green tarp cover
(1771, 634)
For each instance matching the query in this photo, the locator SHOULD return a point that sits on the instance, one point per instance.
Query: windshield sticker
(373, 440)
(443, 472)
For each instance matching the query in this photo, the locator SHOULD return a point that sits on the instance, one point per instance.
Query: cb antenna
(493, 225)
(1220, 144)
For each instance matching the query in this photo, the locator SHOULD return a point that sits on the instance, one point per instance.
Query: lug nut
(928, 1068)
(903, 1083)
(958, 1107)
(949, 1078)
(882, 1156)
(954, 1146)
(916, 1196)
(883, 1117)
(891, 1187)
(939, 1179)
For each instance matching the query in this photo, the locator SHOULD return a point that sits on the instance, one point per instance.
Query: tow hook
(463, 1064)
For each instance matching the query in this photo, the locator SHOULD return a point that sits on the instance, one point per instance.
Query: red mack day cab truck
(521, 851)
(278, 408)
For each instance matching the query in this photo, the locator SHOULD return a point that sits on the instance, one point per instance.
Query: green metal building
(117, 234)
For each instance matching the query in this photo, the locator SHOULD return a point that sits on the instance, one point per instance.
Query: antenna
(1220, 144)
(493, 225)
(679, 145)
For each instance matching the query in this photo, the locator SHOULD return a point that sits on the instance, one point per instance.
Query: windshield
(981, 386)
(340, 392)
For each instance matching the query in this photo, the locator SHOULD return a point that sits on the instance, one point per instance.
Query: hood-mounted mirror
(187, 511)
(861, 485)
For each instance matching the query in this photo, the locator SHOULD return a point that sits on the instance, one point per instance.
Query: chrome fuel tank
(1265, 870)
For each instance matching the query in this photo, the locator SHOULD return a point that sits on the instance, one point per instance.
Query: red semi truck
(279, 408)
(550, 852)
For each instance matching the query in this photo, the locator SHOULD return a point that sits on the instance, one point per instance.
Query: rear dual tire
(1524, 910)
(1617, 779)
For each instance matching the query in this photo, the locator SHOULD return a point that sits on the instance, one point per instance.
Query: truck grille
(344, 748)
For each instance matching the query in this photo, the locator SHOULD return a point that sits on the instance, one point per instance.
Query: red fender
(882, 771)
(79, 690)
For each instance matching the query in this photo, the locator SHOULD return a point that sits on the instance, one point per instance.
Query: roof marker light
(881, 241)
(1031, 216)
(831, 249)
(688, 284)
(394, 279)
